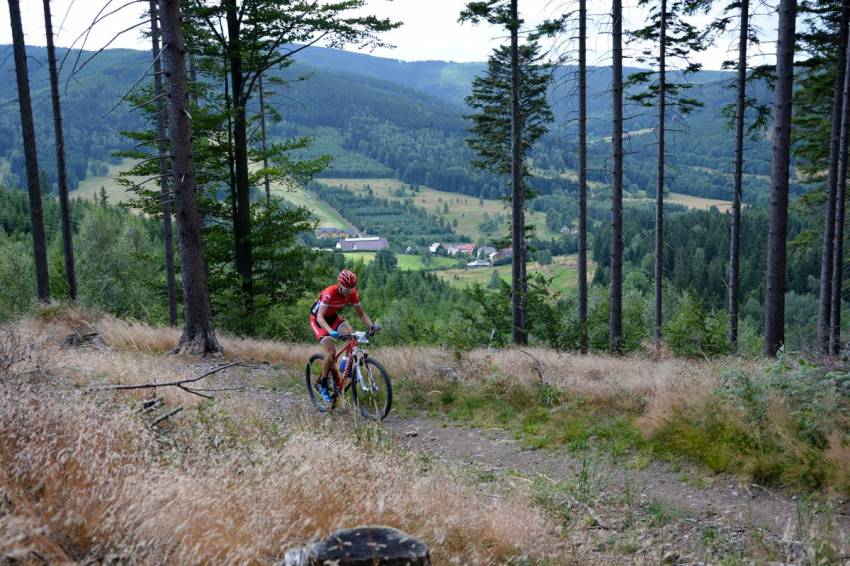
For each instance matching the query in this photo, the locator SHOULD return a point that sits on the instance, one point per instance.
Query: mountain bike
(355, 369)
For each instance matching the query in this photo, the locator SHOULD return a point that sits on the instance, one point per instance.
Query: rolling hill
(381, 117)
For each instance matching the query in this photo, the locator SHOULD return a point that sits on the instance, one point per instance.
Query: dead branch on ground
(180, 383)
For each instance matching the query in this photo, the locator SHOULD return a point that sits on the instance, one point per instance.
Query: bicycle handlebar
(369, 333)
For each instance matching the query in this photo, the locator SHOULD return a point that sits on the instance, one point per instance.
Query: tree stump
(363, 546)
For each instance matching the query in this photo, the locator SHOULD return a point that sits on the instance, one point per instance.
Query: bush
(693, 332)
(788, 424)
(17, 277)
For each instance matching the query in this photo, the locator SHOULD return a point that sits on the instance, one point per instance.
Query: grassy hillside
(90, 186)
(298, 196)
(406, 262)
(633, 460)
(698, 202)
(468, 212)
(562, 271)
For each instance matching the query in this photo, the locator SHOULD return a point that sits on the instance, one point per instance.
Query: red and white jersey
(334, 301)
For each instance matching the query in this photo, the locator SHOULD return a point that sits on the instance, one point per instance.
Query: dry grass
(653, 387)
(87, 481)
(83, 477)
(838, 458)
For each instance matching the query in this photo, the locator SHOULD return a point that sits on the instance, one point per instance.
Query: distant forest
(399, 125)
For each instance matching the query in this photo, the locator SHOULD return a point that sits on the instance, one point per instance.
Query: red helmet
(347, 279)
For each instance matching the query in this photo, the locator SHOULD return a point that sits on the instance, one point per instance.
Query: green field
(90, 186)
(327, 215)
(406, 262)
(562, 271)
(468, 211)
(698, 203)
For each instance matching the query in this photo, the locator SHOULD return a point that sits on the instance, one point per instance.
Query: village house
(362, 244)
(454, 249)
(484, 252)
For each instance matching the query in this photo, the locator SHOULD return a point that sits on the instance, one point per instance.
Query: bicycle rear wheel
(372, 390)
(311, 375)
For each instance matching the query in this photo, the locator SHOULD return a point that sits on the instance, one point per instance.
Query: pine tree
(61, 169)
(838, 230)
(257, 36)
(493, 140)
(165, 193)
(675, 40)
(774, 307)
(582, 175)
(30, 156)
(616, 303)
(198, 334)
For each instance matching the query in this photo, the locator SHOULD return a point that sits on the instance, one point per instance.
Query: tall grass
(785, 423)
(83, 477)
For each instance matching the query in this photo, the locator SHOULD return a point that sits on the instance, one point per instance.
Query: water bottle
(342, 363)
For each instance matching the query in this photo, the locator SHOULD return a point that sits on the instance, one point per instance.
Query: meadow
(562, 272)
(406, 262)
(468, 212)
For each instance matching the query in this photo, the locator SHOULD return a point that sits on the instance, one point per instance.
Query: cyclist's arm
(320, 318)
(363, 316)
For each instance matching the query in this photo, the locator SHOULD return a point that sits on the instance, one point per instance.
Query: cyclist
(328, 325)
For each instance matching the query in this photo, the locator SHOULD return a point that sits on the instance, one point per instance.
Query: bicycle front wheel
(372, 390)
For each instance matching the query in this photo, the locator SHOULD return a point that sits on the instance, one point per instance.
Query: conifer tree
(493, 141)
(774, 307)
(61, 169)
(675, 40)
(257, 36)
(30, 156)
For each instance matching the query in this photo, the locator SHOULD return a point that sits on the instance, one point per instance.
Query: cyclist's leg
(330, 351)
(344, 329)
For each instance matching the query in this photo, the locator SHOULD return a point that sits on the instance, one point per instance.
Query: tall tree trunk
(165, 195)
(266, 181)
(242, 229)
(659, 195)
(838, 233)
(582, 174)
(198, 334)
(825, 297)
(774, 304)
(228, 108)
(737, 183)
(616, 306)
(61, 169)
(517, 191)
(28, 131)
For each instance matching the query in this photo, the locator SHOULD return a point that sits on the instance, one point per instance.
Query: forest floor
(476, 494)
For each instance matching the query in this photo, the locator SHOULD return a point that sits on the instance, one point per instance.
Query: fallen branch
(151, 404)
(181, 383)
(167, 415)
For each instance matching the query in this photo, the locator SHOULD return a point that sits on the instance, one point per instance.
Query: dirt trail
(741, 505)
(657, 513)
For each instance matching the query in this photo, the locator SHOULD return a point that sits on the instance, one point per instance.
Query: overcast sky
(430, 29)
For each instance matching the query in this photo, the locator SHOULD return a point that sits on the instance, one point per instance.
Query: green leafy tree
(115, 263)
(17, 277)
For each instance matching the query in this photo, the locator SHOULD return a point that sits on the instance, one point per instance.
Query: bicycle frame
(355, 354)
